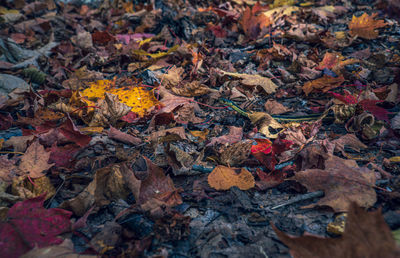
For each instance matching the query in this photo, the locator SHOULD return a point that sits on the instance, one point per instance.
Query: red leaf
(347, 98)
(62, 156)
(28, 224)
(263, 145)
(269, 180)
(378, 112)
(102, 37)
(72, 133)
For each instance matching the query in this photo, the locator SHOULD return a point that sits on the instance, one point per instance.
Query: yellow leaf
(365, 26)
(200, 134)
(91, 130)
(279, 3)
(223, 178)
(141, 52)
(254, 80)
(395, 159)
(138, 98)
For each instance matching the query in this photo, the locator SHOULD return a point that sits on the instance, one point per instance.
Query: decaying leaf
(223, 178)
(342, 181)
(365, 26)
(366, 235)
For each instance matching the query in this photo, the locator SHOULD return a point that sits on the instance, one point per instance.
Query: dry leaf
(254, 81)
(223, 178)
(191, 89)
(253, 22)
(266, 124)
(111, 110)
(366, 235)
(273, 107)
(236, 153)
(365, 26)
(323, 84)
(342, 181)
(34, 161)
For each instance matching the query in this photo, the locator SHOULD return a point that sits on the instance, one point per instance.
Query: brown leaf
(111, 109)
(157, 185)
(323, 84)
(236, 153)
(191, 89)
(254, 80)
(273, 107)
(235, 134)
(34, 161)
(365, 26)
(8, 169)
(266, 124)
(366, 235)
(342, 181)
(19, 143)
(223, 178)
(252, 23)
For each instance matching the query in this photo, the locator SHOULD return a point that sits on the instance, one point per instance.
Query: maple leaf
(223, 178)
(35, 160)
(252, 23)
(366, 234)
(342, 181)
(378, 112)
(335, 62)
(29, 225)
(365, 26)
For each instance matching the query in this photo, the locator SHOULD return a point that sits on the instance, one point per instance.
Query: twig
(300, 198)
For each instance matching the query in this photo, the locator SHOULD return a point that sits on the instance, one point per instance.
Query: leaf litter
(197, 129)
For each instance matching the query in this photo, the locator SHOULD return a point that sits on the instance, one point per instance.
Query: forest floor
(200, 128)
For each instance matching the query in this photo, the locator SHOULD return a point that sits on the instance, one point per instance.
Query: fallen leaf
(64, 250)
(273, 107)
(266, 124)
(223, 178)
(253, 21)
(110, 111)
(28, 225)
(254, 81)
(72, 133)
(138, 98)
(343, 182)
(235, 134)
(269, 180)
(323, 84)
(35, 160)
(365, 26)
(366, 235)
(116, 134)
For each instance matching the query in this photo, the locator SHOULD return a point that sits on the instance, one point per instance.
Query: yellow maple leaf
(365, 26)
(138, 98)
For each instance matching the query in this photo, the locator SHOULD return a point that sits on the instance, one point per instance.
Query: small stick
(300, 198)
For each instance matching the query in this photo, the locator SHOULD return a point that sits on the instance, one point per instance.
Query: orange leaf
(223, 178)
(324, 84)
(252, 23)
(365, 26)
(263, 145)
